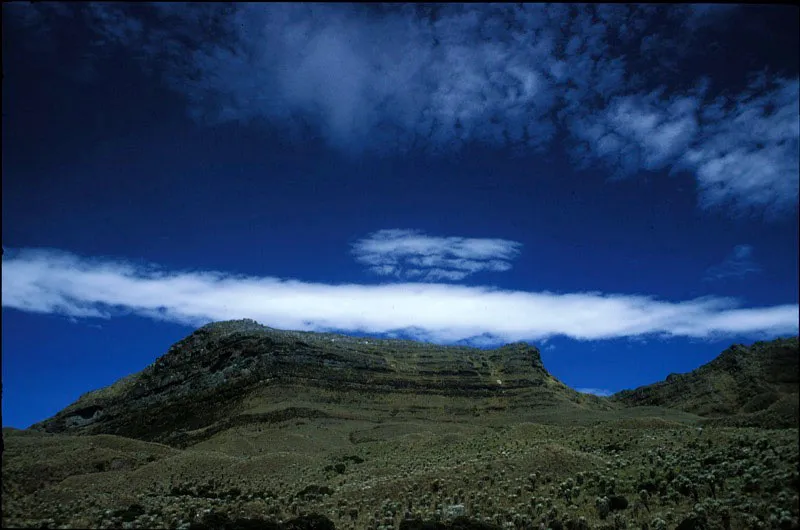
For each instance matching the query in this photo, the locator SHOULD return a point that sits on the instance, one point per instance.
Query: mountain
(235, 373)
(244, 426)
(753, 386)
(240, 372)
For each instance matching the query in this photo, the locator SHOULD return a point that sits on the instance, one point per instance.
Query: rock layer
(213, 377)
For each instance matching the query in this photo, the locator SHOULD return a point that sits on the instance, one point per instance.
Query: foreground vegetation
(636, 472)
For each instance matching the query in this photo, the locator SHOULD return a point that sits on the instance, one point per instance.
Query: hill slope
(744, 386)
(234, 373)
(260, 428)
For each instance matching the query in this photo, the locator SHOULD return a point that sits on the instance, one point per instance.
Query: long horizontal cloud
(412, 254)
(438, 78)
(47, 281)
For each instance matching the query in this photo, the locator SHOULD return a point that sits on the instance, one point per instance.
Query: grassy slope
(258, 471)
(746, 386)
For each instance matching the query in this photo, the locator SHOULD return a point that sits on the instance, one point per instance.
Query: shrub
(130, 513)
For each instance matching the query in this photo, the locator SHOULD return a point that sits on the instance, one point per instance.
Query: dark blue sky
(616, 184)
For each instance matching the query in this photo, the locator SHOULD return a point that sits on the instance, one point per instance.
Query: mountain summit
(240, 372)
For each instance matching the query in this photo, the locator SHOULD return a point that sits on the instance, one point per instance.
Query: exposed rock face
(209, 379)
(747, 386)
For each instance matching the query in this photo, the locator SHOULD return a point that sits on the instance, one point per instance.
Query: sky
(615, 184)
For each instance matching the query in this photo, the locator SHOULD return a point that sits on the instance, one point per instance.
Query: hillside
(244, 426)
(744, 386)
(234, 373)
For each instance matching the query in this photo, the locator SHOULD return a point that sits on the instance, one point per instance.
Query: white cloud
(737, 265)
(602, 392)
(438, 79)
(411, 254)
(397, 77)
(46, 281)
(639, 132)
(744, 154)
(747, 153)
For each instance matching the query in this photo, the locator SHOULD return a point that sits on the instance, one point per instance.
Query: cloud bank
(410, 254)
(55, 282)
(439, 78)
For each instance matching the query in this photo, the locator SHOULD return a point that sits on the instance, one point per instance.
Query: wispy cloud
(411, 254)
(746, 154)
(602, 392)
(439, 78)
(638, 132)
(737, 265)
(48, 281)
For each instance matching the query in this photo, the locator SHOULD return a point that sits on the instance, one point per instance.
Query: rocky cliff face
(237, 372)
(746, 386)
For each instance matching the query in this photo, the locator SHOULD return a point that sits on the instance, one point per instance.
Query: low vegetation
(634, 473)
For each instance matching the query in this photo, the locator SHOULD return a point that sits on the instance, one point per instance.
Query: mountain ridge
(227, 365)
(232, 372)
(756, 385)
